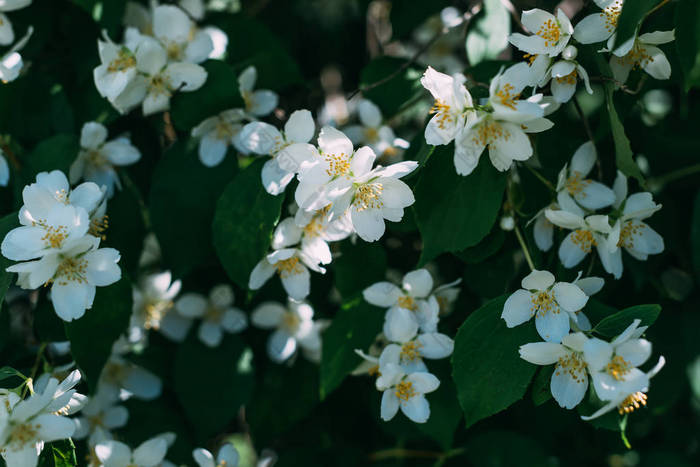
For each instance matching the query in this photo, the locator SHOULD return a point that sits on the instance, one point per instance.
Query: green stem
(541, 178)
(35, 368)
(523, 245)
(675, 175)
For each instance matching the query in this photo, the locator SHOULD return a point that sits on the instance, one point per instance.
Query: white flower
(642, 53)
(11, 63)
(370, 131)
(226, 457)
(216, 311)
(257, 103)
(570, 380)
(588, 193)
(502, 125)
(551, 34)
(598, 27)
(552, 303)
(153, 308)
(409, 307)
(289, 149)
(292, 265)
(116, 70)
(7, 34)
(25, 425)
(217, 133)
(370, 362)
(446, 295)
(345, 178)
(100, 413)
(180, 36)
(97, 158)
(121, 380)
(543, 229)
(564, 75)
(453, 106)
(150, 453)
(613, 367)
(294, 327)
(157, 79)
(407, 392)
(409, 355)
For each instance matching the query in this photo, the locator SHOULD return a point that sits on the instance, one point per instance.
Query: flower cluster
(411, 334)
(58, 243)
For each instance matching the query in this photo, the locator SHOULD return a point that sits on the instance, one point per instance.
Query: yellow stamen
(442, 110)
(407, 302)
(543, 303)
(288, 267)
(575, 184)
(410, 351)
(550, 32)
(618, 368)
(574, 365)
(404, 391)
(338, 165)
(584, 239)
(368, 197)
(632, 403)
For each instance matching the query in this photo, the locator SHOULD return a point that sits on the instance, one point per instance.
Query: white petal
(274, 178)
(390, 405)
(370, 115)
(435, 345)
(113, 453)
(567, 391)
(569, 296)
(263, 102)
(297, 284)
(418, 283)
(191, 305)
(400, 325)
(518, 308)
(71, 299)
(186, 76)
(383, 294)
(553, 325)
(268, 315)
(212, 150)
(234, 320)
(171, 23)
(210, 333)
(92, 135)
(593, 28)
(416, 408)
(332, 141)
(571, 253)
(542, 353)
(635, 351)
(538, 280)
(595, 195)
(300, 127)
(597, 353)
(368, 223)
(150, 453)
(260, 274)
(281, 346)
(657, 65)
(102, 268)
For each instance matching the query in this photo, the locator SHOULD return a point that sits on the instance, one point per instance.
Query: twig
(653, 10)
(523, 246)
(541, 178)
(662, 180)
(35, 368)
(11, 155)
(624, 88)
(514, 13)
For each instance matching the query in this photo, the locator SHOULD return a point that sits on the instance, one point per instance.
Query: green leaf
(631, 17)
(517, 449)
(55, 153)
(219, 93)
(58, 454)
(353, 327)
(694, 237)
(229, 364)
(454, 212)
(182, 200)
(597, 311)
(486, 366)
(615, 324)
(47, 325)
(7, 223)
(407, 15)
(624, 157)
(488, 33)
(444, 407)
(92, 336)
(245, 218)
(688, 41)
(9, 372)
(487, 247)
(126, 229)
(541, 391)
(391, 95)
(370, 258)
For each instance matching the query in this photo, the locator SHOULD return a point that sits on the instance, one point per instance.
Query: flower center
(71, 270)
(290, 321)
(407, 302)
(125, 60)
(338, 165)
(213, 313)
(223, 130)
(313, 228)
(568, 79)
(550, 32)
(410, 351)
(404, 391)
(174, 51)
(442, 110)
(574, 365)
(632, 403)
(155, 312)
(618, 368)
(584, 240)
(23, 434)
(371, 134)
(611, 15)
(628, 232)
(99, 226)
(575, 184)
(159, 84)
(54, 236)
(637, 57)
(114, 372)
(543, 303)
(488, 132)
(95, 157)
(506, 96)
(368, 197)
(288, 267)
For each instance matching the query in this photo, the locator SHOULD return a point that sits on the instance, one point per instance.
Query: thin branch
(624, 88)
(523, 246)
(663, 180)
(541, 178)
(514, 13)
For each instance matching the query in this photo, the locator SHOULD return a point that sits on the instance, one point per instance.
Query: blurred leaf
(455, 212)
(47, 325)
(391, 95)
(59, 453)
(358, 266)
(353, 327)
(7, 223)
(487, 368)
(488, 32)
(688, 41)
(9, 372)
(92, 336)
(541, 391)
(219, 93)
(624, 157)
(183, 196)
(407, 15)
(615, 324)
(243, 223)
(521, 450)
(229, 365)
(632, 15)
(484, 249)
(55, 153)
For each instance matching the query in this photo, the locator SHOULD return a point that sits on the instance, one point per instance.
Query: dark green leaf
(444, 408)
(58, 454)
(485, 248)
(541, 391)
(407, 15)
(245, 218)
(9, 372)
(632, 15)
(229, 364)
(55, 153)
(488, 33)
(353, 327)
(624, 157)
(370, 258)
(695, 237)
(47, 325)
(688, 40)
(505, 449)
(390, 95)
(219, 93)
(597, 311)
(183, 196)
(92, 336)
(615, 324)
(486, 366)
(126, 229)
(455, 212)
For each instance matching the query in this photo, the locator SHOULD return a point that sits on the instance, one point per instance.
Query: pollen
(368, 197)
(371, 134)
(159, 85)
(584, 239)
(530, 58)
(611, 14)
(291, 321)
(288, 267)
(407, 302)
(574, 365)
(632, 403)
(442, 110)
(506, 96)
(70, 270)
(618, 368)
(99, 226)
(213, 313)
(338, 165)
(550, 32)
(155, 312)
(223, 130)
(313, 229)
(22, 434)
(575, 184)
(174, 51)
(543, 303)
(568, 79)
(410, 351)
(54, 236)
(628, 232)
(123, 62)
(488, 132)
(404, 391)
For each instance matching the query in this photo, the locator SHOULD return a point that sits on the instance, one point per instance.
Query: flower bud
(569, 53)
